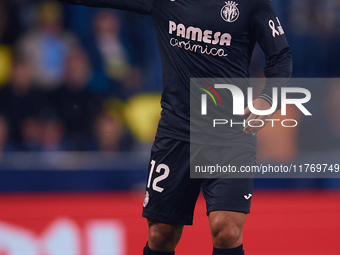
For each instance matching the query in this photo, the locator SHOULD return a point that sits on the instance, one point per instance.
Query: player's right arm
(139, 6)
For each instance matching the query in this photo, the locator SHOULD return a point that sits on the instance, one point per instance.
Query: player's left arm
(269, 33)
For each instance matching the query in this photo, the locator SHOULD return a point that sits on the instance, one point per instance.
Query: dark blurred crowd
(88, 79)
(68, 74)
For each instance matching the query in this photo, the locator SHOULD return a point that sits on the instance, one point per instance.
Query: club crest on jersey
(230, 12)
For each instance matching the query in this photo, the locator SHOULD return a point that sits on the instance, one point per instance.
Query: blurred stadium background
(79, 105)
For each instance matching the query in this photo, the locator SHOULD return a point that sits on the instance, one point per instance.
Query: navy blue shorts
(171, 194)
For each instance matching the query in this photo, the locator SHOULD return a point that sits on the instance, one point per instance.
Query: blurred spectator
(109, 57)
(4, 139)
(3, 133)
(315, 29)
(110, 133)
(10, 27)
(141, 40)
(332, 112)
(46, 46)
(5, 49)
(5, 63)
(18, 99)
(142, 113)
(31, 134)
(52, 136)
(44, 133)
(3, 20)
(74, 103)
(315, 17)
(322, 132)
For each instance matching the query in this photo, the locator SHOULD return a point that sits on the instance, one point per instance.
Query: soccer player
(208, 39)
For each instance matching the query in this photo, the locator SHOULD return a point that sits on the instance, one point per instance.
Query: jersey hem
(251, 144)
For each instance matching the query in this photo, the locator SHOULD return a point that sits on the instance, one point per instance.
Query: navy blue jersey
(200, 38)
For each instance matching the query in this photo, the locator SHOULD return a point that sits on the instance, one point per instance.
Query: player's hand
(259, 104)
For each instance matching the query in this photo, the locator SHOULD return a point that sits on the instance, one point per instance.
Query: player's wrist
(267, 98)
